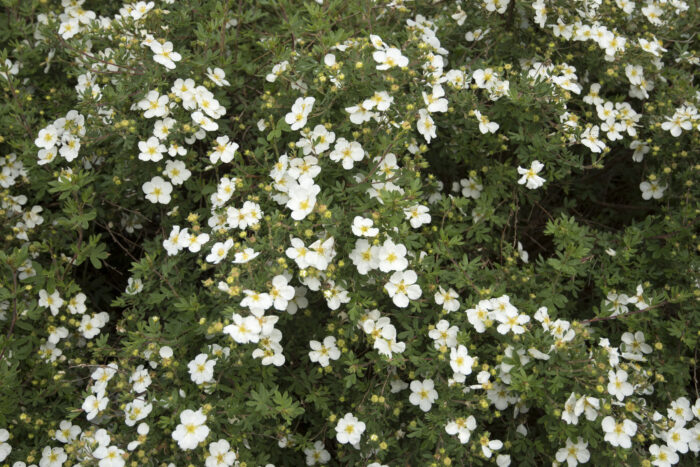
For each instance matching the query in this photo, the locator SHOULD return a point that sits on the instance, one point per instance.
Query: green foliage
(554, 247)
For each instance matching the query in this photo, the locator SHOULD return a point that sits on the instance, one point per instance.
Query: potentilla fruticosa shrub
(285, 232)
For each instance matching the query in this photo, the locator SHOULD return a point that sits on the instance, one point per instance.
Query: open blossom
(347, 153)
(574, 453)
(192, 429)
(402, 287)
(201, 370)
(164, 54)
(317, 454)
(460, 361)
(219, 251)
(224, 150)
(244, 330)
(485, 125)
(349, 429)
(136, 410)
(151, 150)
(423, 394)
(426, 125)
(652, 189)
(471, 188)
(54, 301)
(324, 352)
(448, 299)
(389, 58)
(157, 190)
(363, 227)
(299, 113)
(392, 257)
(589, 138)
(529, 176)
(52, 457)
(619, 433)
(417, 215)
(462, 427)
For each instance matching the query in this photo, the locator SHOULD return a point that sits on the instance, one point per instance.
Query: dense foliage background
(350, 232)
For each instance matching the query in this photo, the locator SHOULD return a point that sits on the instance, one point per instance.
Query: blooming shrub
(349, 232)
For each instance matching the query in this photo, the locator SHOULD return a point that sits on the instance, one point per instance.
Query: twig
(623, 315)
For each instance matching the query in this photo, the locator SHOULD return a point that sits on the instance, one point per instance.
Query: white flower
(511, 321)
(193, 242)
(679, 411)
(201, 370)
(69, 28)
(462, 427)
(487, 446)
(363, 227)
(277, 70)
(392, 257)
(448, 299)
(652, 190)
(349, 429)
(435, 101)
(423, 394)
(364, 256)
(573, 453)
(76, 305)
(94, 404)
(347, 153)
(619, 433)
(317, 454)
(417, 215)
(460, 361)
(299, 113)
(140, 379)
(588, 406)
(402, 287)
(54, 301)
(217, 76)
(52, 457)
(224, 150)
(478, 315)
(220, 453)
(677, 438)
(192, 429)
(5, 448)
(389, 58)
(219, 251)
(241, 257)
(589, 138)
(110, 456)
(136, 410)
(47, 137)
(471, 188)
(163, 54)
(444, 335)
(157, 190)
(244, 330)
(66, 433)
(302, 198)
(154, 104)
(663, 456)
(323, 353)
(530, 177)
(618, 385)
(635, 74)
(571, 410)
(485, 125)
(177, 172)
(426, 125)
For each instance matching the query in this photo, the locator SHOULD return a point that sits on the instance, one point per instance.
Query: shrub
(349, 232)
